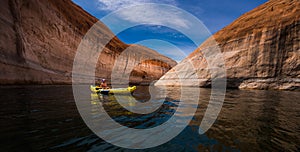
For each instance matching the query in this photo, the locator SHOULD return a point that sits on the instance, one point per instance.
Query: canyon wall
(39, 39)
(261, 50)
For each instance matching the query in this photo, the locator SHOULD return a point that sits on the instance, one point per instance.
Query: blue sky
(214, 14)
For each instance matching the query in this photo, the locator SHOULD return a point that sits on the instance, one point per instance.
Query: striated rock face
(39, 39)
(261, 50)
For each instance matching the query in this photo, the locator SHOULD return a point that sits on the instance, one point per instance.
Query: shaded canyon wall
(39, 39)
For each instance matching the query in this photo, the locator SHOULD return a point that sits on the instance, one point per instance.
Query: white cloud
(166, 48)
(149, 14)
(112, 5)
(146, 14)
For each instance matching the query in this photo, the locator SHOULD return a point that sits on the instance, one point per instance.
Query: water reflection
(258, 121)
(144, 130)
(45, 118)
(119, 107)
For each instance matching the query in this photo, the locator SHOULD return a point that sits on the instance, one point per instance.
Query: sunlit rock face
(39, 39)
(261, 50)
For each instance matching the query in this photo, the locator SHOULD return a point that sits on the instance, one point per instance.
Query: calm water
(45, 118)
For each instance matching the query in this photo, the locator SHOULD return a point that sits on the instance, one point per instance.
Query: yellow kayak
(96, 89)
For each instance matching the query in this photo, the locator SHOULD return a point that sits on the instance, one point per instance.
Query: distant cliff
(261, 50)
(39, 39)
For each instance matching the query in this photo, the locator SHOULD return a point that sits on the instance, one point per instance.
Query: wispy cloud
(112, 5)
(146, 14)
(165, 48)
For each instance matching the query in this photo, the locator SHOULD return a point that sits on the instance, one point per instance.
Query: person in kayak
(103, 84)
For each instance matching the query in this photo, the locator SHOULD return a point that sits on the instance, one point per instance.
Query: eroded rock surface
(39, 39)
(261, 50)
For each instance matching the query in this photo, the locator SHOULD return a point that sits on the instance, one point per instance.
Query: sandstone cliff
(39, 38)
(261, 50)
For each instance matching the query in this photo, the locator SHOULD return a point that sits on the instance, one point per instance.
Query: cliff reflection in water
(122, 107)
(45, 118)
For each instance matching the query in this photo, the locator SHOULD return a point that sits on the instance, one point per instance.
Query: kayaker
(104, 84)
